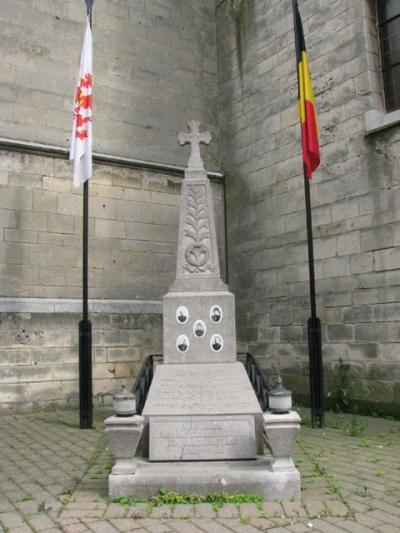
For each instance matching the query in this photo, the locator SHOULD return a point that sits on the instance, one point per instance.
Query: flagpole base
(316, 372)
(85, 375)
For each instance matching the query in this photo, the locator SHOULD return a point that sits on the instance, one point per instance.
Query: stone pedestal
(123, 433)
(281, 431)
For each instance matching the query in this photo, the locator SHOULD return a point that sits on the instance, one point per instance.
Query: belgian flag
(308, 119)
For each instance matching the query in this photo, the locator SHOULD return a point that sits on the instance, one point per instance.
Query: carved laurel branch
(197, 229)
(197, 217)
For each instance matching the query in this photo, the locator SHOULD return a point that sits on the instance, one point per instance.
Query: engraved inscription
(201, 388)
(202, 438)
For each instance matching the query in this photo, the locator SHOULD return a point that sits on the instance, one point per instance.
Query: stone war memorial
(202, 429)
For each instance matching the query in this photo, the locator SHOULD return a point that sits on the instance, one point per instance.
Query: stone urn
(123, 431)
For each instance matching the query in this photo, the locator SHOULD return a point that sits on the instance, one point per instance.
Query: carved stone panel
(202, 438)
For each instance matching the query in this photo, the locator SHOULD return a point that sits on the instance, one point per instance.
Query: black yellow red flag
(306, 105)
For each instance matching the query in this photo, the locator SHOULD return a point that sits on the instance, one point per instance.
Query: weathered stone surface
(164, 49)
(201, 389)
(254, 477)
(354, 191)
(123, 433)
(199, 306)
(281, 432)
(197, 438)
(39, 354)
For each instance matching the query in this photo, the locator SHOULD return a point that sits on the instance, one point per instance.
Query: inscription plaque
(202, 438)
(204, 389)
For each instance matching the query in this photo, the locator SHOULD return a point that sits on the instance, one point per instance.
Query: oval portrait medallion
(216, 314)
(182, 343)
(182, 314)
(216, 342)
(199, 328)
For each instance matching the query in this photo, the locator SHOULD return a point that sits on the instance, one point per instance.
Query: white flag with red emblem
(81, 141)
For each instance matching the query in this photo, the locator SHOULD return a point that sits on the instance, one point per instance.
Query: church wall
(355, 197)
(133, 230)
(39, 363)
(154, 69)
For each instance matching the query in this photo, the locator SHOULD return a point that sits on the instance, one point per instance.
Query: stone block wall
(355, 197)
(133, 229)
(154, 70)
(39, 361)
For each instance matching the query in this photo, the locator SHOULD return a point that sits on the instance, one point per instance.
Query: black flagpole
(85, 325)
(314, 328)
(314, 323)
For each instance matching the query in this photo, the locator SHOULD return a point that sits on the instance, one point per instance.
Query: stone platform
(253, 476)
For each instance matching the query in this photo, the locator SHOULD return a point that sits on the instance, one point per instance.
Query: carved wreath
(197, 254)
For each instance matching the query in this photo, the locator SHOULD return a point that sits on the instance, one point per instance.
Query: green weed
(169, 497)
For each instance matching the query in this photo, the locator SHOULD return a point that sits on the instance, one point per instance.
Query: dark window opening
(389, 36)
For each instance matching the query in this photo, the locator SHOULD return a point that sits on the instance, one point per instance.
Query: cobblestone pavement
(53, 478)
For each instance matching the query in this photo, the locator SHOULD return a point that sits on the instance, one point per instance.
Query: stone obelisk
(199, 312)
(201, 405)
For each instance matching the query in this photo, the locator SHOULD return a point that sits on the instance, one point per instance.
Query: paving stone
(262, 524)
(382, 516)
(22, 529)
(183, 511)
(350, 525)
(40, 522)
(366, 520)
(244, 528)
(11, 519)
(205, 510)
(114, 510)
(300, 527)
(186, 526)
(27, 507)
(228, 510)
(314, 508)
(249, 509)
(78, 513)
(384, 528)
(125, 524)
(384, 506)
(75, 528)
(337, 508)
(273, 509)
(162, 511)
(214, 526)
(5, 505)
(153, 525)
(102, 527)
(293, 509)
(139, 510)
(326, 527)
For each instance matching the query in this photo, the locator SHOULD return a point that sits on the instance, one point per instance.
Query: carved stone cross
(194, 138)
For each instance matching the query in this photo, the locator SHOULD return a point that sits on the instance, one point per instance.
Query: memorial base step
(256, 476)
